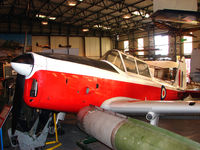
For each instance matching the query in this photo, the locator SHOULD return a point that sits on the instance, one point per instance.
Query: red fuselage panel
(70, 92)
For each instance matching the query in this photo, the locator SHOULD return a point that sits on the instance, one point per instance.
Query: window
(187, 45)
(130, 64)
(115, 59)
(140, 46)
(126, 45)
(143, 68)
(162, 43)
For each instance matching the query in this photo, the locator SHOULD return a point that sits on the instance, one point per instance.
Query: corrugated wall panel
(92, 44)
(106, 44)
(56, 40)
(41, 40)
(92, 47)
(77, 42)
(196, 41)
(121, 45)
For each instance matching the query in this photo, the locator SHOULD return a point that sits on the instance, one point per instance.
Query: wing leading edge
(152, 109)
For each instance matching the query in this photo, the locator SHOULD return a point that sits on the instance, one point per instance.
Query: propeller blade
(17, 101)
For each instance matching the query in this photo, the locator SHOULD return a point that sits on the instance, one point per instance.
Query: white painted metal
(143, 107)
(189, 5)
(153, 118)
(22, 68)
(40, 63)
(60, 116)
(50, 64)
(163, 64)
(182, 70)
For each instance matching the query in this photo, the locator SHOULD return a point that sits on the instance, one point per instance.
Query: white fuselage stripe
(50, 64)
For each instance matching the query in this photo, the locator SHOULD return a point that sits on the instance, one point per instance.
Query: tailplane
(180, 80)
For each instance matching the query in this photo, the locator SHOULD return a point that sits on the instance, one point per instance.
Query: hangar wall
(175, 44)
(41, 40)
(92, 47)
(196, 43)
(56, 40)
(120, 45)
(92, 44)
(77, 42)
(106, 44)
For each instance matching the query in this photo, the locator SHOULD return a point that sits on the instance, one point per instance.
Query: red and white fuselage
(68, 83)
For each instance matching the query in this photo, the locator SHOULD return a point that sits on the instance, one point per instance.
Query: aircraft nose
(23, 64)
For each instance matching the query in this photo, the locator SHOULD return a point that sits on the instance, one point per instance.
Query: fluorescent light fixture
(71, 2)
(52, 18)
(40, 16)
(97, 26)
(106, 28)
(127, 16)
(100, 26)
(44, 16)
(85, 30)
(137, 13)
(44, 23)
(147, 16)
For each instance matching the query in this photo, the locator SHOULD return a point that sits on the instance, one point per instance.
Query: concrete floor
(185, 127)
(72, 134)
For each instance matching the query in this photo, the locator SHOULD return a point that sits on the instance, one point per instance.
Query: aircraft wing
(152, 109)
(177, 16)
(158, 107)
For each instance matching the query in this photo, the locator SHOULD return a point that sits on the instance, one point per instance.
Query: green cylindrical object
(122, 133)
(139, 135)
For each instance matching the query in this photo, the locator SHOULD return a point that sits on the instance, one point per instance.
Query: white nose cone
(22, 68)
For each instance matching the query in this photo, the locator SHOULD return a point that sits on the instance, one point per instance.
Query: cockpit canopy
(127, 63)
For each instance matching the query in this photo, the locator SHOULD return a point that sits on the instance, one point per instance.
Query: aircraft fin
(180, 80)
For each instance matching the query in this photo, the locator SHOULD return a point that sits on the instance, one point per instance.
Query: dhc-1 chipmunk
(118, 82)
(67, 83)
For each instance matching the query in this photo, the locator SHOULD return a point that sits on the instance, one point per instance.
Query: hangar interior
(105, 24)
(90, 28)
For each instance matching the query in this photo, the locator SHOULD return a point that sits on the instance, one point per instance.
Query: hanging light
(44, 23)
(97, 26)
(143, 14)
(106, 28)
(51, 18)
(137, 13)
(40, 16)
(71, 2)
(85, 30)
(127, 16)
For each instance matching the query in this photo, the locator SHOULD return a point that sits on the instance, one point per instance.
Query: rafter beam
(83, 10)
(57, 6)
(61, 15)
(42, 6)
(12, 8)
(115, 12)
(94, 12)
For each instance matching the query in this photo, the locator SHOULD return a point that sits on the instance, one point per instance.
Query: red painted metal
(179, 78)
(70, 92)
